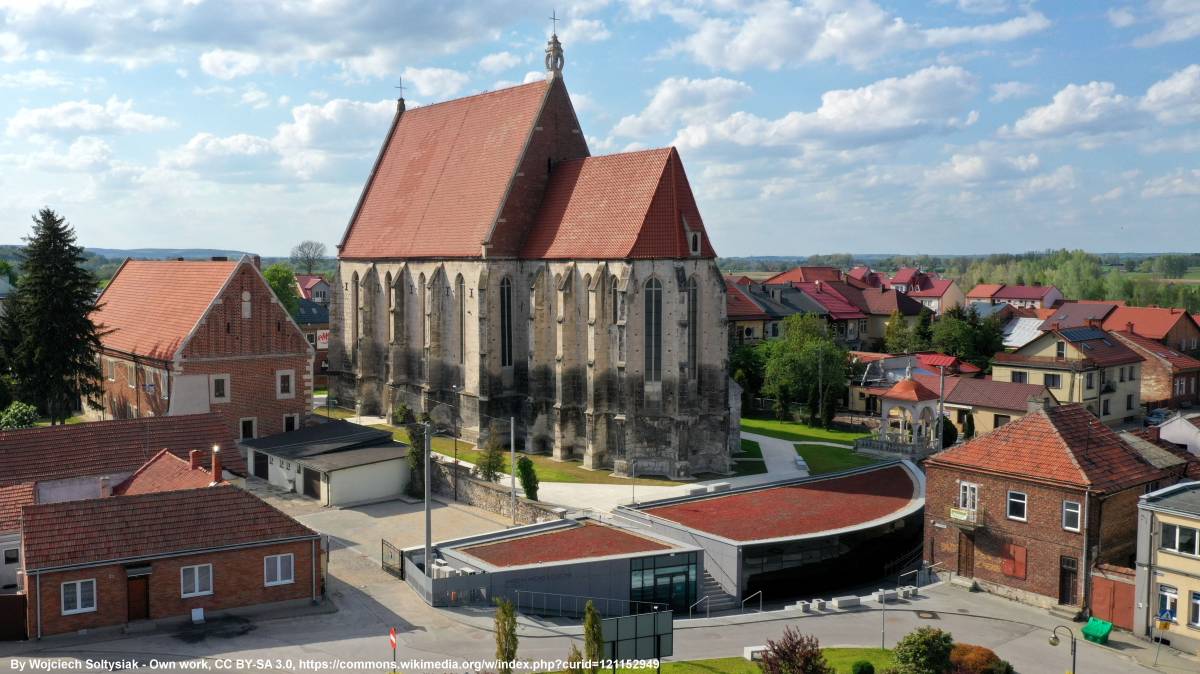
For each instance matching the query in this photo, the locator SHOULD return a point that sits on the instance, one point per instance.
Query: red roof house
(1015, 508)
(1036, 297)
(168, 472)
(1169, 378)
(806, 275)
(313, 287)
(186, 336)
(1173, 327)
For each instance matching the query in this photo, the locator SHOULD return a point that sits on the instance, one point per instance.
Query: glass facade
(667, 580)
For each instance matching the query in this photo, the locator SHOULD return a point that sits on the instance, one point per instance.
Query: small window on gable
(695, 243)
(245, 304)
(220, 388)
(285, 384)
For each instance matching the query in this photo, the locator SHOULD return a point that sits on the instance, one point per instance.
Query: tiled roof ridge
(133, 421)
(478, 94)
(1061, 440)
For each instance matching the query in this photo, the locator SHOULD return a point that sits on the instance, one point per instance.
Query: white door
(10, 562)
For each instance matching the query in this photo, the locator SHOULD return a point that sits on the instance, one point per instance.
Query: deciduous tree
(308, 255)
(282, 280)
(506, 634)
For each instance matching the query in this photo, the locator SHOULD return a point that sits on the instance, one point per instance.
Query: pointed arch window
(506, 340)
(693, 326)
(653, 331)
(614, 287)
(421, 307)
(391, 305)
(460, 291)
(355, 310)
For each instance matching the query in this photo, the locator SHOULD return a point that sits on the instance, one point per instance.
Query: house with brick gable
(1029, 510)
(1170, 378)
(187, 336)
(1020, 296)
(1172, 327)
(114, 561)
(1083, 365)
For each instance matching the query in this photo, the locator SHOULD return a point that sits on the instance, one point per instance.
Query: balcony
(966, 519)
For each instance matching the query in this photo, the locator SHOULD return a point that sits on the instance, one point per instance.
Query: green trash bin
(1097, 630)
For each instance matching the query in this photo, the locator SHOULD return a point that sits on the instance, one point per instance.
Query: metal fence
(393, 561)
(572, 606)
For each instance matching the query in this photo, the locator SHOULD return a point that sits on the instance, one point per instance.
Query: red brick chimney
(1153, 432)
(216, 463)
(194, 459)
(105, 487)
(1129, 326)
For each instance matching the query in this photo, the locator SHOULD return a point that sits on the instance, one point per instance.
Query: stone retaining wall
(491, 496)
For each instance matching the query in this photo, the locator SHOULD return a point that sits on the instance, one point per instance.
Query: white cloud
(533, 76)
(1121, 17)
(682, 100)
(215, 156)
(1176, 99)
(435, 82)
(978, 6)
(255, 98)
(1003, 91)
(84, 154)
(1061, 180)
(980, 168)
(1087, 109)
(75, 118)
(930, 100)
(11, 47)
(319, 135)
(1111, 195)
(776, 34)
(32, 79)
(580, 31)
(1181, 183)
(226, 64)
(1179, 21)
(499, 62)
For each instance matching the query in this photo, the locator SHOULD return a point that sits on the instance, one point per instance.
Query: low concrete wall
(491, 496)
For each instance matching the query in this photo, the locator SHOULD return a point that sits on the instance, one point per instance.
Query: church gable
(442, 176)
(673, 219)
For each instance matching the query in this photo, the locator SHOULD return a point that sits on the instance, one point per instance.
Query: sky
(806, 127)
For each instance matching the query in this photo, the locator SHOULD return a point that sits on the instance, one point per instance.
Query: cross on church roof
(554, 22)
(400, 86)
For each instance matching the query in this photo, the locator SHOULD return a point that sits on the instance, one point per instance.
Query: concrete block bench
(718, 486)
(696, 491)
(753, 653)
(818, 604)
(908, 591)
(885, 595)
(846, 602)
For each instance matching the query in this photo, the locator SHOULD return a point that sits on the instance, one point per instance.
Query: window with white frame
(195, 581)
(285, 384)
(278, 569)
(130, 375)
(968, 495)
(112, 369)
(79, 596)
(1091, 380)
(291, 422)
(1019, 377)
(1052, 380)
(1184, 540)
(1194, 610)
(1018, 503)
(311, 337)
(1168, 601)
(1070, 516)
(219, 388)
(248, 427)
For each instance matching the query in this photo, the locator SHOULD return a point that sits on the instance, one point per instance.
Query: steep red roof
(738, 304)
(935, 287)
(839, 307)
(1004, 395)
(739, 280)
(1077, 314)
(176, 293)
(797, 509)
(12, 498)
(911, 391)
(167, 472)
(1152, 322)
(110, 447)
(589, 540)
(984, 290)
(905, 275)
(149, 525)
(1008, 292)
(443, 174)
(1152, 348)
(806, 275)
(951, 363)
(868, 356)
(877, 301)
(629, 205)
(306, 283)
(1064, 445)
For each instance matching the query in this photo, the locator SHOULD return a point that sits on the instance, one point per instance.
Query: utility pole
(941, 421)
(428, 515)
(512, 461)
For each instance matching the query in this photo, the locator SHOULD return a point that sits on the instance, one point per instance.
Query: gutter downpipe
(39, 607)
(1086, 604)
(313, 563)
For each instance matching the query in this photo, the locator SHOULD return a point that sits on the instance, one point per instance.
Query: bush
(795, 653)
(528, 476)
(971, 659)
(862, 667)
(18, 415)
(491, 463)
(925, 650)
(401, 415)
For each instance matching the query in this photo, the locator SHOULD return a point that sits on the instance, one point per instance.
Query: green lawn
(320, 392)
(548, 470)
(822, 459)
(334, 412)
(789, 430)
(750, 450)
(70, 421)
(843, 659)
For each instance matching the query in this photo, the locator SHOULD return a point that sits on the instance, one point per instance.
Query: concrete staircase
(718, 599)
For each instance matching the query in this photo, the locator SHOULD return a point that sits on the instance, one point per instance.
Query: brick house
(313, 319)
(86, 567)
(185, 336)
(1027, 297)
(1169, 377)
(1029, 510)
(1173, 327)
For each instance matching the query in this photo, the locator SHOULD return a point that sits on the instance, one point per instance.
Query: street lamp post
(428, 516)
(1054, 642)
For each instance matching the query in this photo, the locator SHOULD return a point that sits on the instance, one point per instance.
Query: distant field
(755, 275)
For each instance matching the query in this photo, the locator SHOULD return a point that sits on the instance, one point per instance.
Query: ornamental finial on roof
(554, 52)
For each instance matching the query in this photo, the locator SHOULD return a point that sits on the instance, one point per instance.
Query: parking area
(401, 523)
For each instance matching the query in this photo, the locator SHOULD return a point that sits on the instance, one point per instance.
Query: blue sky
(932, 126)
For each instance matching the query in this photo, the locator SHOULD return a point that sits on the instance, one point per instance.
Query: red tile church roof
(151, 306)
(629, 205)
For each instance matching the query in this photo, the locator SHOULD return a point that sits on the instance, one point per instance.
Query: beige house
(1079, 365)
(1168, 567)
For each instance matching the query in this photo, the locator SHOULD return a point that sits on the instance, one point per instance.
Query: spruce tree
(50, 341)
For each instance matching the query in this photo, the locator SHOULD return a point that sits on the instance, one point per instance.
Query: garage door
(312, 483)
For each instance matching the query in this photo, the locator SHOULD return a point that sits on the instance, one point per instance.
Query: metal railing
(553, 603)
(758, 594)
(707, 606)
(392, 560)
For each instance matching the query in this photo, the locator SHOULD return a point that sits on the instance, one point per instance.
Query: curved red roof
(911, 391)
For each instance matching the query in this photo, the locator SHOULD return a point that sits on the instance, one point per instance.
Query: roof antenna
(400, 101)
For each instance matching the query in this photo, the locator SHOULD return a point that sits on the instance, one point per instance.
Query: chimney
(1036, 404)
(1056, 326)
(216, 463)
(105, 487)
(256, 260)
(1153, 432)
(1129, 326)
(194, 459)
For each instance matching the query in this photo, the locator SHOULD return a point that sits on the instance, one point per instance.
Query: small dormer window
(695, 243)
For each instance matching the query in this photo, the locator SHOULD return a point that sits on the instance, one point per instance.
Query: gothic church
(493, 265)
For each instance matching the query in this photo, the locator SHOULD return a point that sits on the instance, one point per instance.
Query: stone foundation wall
(491, 496)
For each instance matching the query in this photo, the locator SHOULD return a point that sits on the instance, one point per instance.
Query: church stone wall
(576, 384)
